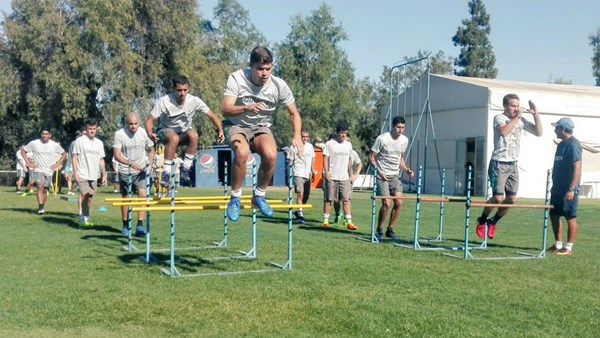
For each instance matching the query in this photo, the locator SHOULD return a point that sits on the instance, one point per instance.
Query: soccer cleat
(263, 206)
(41, 212)
(480, 230)
(165, 180)
(233, 209)
(553, 249)
(70, 193)
(563, 252)
(379, 234)
(139, 231)
(125, 231)
(491, 230)
(390, 234)
(87, 224)
(349, 225)
(325, 223)
(18, 192)
(185, 176)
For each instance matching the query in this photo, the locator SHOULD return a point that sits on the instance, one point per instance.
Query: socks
(558, 245)
(236, 193)
(260, 192)
(188, 160)
(569, 246)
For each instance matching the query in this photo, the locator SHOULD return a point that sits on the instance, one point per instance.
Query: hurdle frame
(172, 269)
(467, 248)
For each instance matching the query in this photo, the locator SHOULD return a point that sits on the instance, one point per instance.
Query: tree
(235, 34)
(595, 43)
(312, 62)
(476, 58)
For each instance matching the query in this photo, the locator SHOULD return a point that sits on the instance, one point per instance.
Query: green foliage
(476, 58)
(595, 43)
(317, 69)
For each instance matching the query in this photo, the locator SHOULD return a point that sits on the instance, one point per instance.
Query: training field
(57, 280)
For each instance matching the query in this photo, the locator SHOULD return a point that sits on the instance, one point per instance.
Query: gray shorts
(20, 173)
(42, 179)
(88, 187)
(300, 183)
(138, 182)
(504, 177)
(337, 190)
(250, 133)
(391, 187)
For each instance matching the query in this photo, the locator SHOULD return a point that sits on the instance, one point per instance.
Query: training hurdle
(212, 203)
(467, 247)
(419, 198)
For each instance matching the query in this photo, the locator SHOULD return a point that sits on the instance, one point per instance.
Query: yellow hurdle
(215, 207)
(205, 202)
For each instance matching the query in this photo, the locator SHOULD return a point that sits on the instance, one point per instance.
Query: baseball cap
(565, 122)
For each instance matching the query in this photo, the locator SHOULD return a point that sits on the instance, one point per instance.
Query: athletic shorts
(138, 182)
(300, 184)
(338, 190)
(43, 179)
(250, 133)
(391, 187)
(21, 173)
(88, 187)
(504, 177)
(162, 134)
(562, 207)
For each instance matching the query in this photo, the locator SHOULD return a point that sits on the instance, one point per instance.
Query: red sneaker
(491, 230)
(480, 230)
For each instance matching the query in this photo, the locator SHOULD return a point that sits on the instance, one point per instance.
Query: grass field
(61, 281)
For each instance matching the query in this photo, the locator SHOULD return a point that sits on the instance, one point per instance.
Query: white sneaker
(41, 212)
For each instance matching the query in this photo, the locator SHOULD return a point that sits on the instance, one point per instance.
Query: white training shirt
(389, 151)
(302, 164)
(44, 155)
(273, 93)
(507, 148)
(170, 115)
(89, 152)
(134, 147)
(19, 159)
(340, 154)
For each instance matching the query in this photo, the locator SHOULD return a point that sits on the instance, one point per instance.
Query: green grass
(61, 281)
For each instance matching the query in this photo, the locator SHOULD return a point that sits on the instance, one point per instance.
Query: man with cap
(565, 185)
(503, 170)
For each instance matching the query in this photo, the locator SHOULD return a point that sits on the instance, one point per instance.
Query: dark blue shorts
(562, 207)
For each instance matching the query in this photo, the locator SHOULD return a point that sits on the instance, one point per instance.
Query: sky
(533, 40)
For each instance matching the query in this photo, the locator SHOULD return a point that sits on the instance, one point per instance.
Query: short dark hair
(260, 55)
(398, 119)
(45, 128)
(508, 97)
(180, 80)
(341, 127)
(90, 122)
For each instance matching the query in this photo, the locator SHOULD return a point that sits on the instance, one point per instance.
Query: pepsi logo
(207, 161)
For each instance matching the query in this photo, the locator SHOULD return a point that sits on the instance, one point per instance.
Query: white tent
(459, 130)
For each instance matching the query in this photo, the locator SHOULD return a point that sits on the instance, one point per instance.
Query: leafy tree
(235, 34)
(595, 43)
(317, 69)
(476, 58)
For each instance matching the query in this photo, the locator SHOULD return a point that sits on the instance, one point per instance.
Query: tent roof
(507, 86)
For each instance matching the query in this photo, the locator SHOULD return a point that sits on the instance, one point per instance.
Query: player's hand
(532, 108)
(104, 181)
(220, 137)
(410, 172)
(297, 142)
(570, 195)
